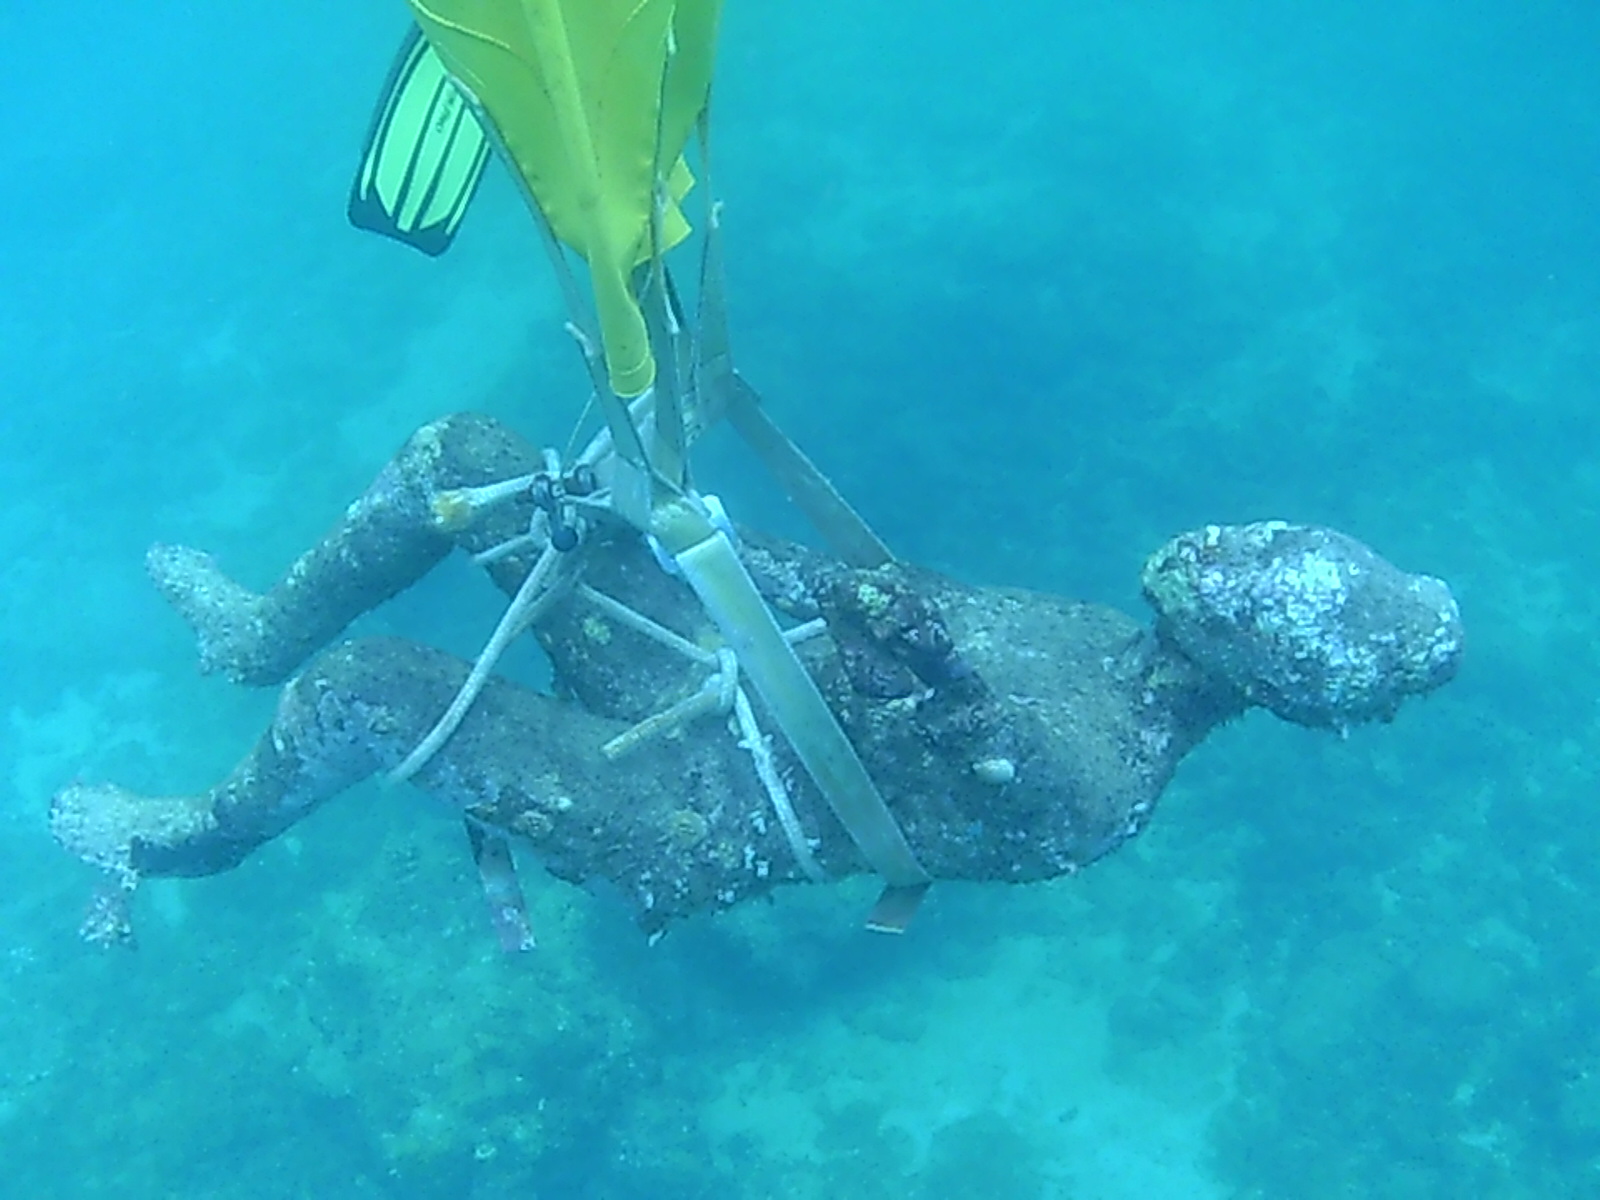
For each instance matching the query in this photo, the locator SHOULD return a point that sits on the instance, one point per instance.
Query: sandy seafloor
(1040, 284)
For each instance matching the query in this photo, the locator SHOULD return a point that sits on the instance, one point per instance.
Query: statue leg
(677, 826)
(383, 543)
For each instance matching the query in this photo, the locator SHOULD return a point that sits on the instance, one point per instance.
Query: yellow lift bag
(593, 102)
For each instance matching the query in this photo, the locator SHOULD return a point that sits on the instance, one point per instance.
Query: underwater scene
(1038, 286)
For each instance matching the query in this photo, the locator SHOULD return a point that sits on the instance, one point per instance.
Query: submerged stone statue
(1015, 735)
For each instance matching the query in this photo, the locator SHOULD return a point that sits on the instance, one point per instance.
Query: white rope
(507, 548)
(760, 747)
(805, 632)
(720, 693)
(640, 623)
(535, 594)
(459, 507)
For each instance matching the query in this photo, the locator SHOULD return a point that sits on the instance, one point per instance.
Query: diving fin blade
(424, 155)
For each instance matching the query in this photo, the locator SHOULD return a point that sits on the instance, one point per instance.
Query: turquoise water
(1040, 284)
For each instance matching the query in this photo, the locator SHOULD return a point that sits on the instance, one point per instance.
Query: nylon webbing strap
(723, 586)
(850, 537)
(497, 872)
(725, 393)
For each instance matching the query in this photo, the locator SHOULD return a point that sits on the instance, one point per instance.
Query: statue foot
(114, 829)
(226, 618)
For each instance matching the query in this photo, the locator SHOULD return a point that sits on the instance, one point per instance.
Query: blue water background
(1039, 284)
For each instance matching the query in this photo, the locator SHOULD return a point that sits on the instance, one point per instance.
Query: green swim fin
(424, 155)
